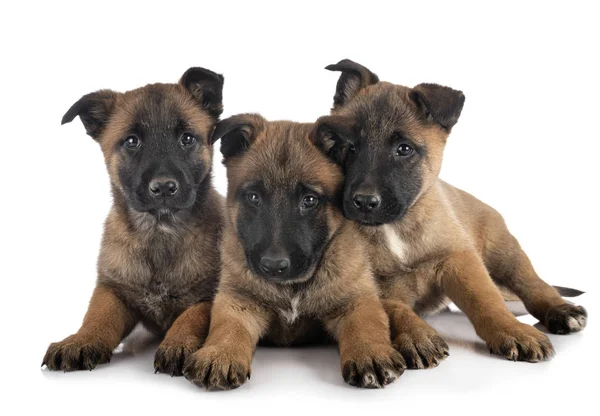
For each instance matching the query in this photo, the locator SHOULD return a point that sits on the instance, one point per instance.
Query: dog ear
(94, 110)
(207, 88)
(333, 136)
(442, 105)
(237, 133)
(354, 77)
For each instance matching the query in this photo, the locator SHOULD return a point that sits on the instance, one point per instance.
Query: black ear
(439, 104)
(94, 110)
(237, 133)
(333, 135)
(207, 88)
(354, 77)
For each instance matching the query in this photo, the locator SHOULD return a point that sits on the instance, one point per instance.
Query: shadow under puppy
(294, 271)
(429, 242)
(159, 259)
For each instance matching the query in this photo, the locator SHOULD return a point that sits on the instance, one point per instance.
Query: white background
(527, 143)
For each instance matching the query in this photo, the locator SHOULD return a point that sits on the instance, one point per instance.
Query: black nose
(366, 203)
(275, 266)
(163, 187)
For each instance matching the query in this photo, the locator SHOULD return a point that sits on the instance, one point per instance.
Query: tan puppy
(159, 254)
(294, 270)
(429, 242)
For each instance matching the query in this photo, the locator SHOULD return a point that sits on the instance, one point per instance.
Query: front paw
(171, 355)
(217, 368)
(372, 366)
(566, 319)
(76, 352)
(422, 348)
(521, 343)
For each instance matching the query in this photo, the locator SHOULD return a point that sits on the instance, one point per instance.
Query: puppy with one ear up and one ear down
(431, 243)
(159, 260)
(294, 271)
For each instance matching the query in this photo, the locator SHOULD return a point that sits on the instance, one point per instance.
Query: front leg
(186, 336)
(223, 363)
(367, 356)
(466, 281)
(106, 323)
(420, 344)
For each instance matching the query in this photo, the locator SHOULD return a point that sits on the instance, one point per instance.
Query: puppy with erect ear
(159, 259)
(294, 271)
(431, 243)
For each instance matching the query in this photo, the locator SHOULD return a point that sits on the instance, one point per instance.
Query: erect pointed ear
(94, 110)
(354, 77)
(439, 104)
(333, 135)
(237, 133)
(207, 88)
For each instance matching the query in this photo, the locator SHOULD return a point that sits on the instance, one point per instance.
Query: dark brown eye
(405, 150)
(253, 198)
(352, 148)
(132, 142)
(187, 140)
(309, 201)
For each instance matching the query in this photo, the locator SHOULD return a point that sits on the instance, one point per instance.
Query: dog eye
(253, 198)
(132, 142)
(187, 140)
(405, 150)
(309, 201)
(352, 148)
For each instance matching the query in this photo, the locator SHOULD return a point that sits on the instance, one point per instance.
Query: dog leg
(367, 356)
(186, 336)
(223, 363)
(541, 300)
(420, 344)
(466, 281)
(106, 323)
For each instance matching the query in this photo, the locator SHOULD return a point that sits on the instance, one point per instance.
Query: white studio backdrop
(527, 143)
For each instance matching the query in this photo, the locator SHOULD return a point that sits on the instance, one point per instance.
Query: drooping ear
(442, 105)
(333, 135)
(354, 77)
(207, 88)
(237, 133)
(94, 110)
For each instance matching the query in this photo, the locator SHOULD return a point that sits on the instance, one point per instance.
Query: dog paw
(372, 367)
(421, 349)
(521, 343)
(566, 319)
(76, 353)
(171, 355)
(216, 369)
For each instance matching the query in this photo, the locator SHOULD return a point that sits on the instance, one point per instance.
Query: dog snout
(275, 265)
(163, 187)
(366, 202)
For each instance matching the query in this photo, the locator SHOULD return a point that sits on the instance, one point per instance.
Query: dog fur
(429, 242)
(328, 293)
(159, 259)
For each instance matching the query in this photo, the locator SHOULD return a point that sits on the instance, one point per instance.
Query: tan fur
(338, 299)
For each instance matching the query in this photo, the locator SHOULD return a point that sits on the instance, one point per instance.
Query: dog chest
(395, 244)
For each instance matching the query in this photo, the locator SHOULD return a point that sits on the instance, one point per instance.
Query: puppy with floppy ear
(293, 270)
(431, 243)
(159, 260)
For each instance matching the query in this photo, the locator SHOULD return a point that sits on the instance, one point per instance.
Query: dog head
(156, 139)
(281, 195)
(388, 138)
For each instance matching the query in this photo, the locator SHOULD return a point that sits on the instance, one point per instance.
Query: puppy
(431, 243)
(293, 270)
(159, 260)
